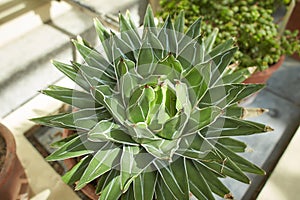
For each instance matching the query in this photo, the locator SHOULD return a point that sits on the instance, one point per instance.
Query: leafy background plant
(251, 22)
(157, 115)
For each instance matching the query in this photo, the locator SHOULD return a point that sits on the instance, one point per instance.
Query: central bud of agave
(156, 104)
(153, 106)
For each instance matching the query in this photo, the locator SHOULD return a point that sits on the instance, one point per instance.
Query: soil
(2, 151)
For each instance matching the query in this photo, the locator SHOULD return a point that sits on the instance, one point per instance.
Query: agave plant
(155, 114)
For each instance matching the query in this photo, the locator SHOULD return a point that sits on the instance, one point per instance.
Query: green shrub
(250, 22)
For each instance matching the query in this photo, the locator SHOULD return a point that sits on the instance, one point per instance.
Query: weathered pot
(262, 76)
(89, 189)
(13, 180)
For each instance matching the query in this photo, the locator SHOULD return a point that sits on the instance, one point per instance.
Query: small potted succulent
(156, 115)
(262, 42)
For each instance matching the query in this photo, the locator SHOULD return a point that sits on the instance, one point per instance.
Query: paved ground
(284, 181)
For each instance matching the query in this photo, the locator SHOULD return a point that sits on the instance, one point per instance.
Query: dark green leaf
(104, 37)
(121, 49)
(179, 22)
(198, 184)
(102, 162)
(172, 129)
(228, 44)
(210, 40)
(83, 119)
(226, 126)
(108, 131)
(76, 172)
(194, 30)
(125, 66)
(241, 162)
(144, 185)
(78, 146)
(228, 168)
(129, 194)
(191, 52)
(94, 58)
(63, 141)
(107, 97)
(112, 186)
(234, 111)
(95, 76)
(140, 105)
(163, 149)
(174, 176)
(198, 80)
(167, 37)
(162, 192)
(201, 118)
(195, 146)
(212, 180)
(219, 64)
(70, 96)
(226, 95)
(128, 34)
(149, 24)
(238, 76)
(72, 73)
(233, 144)
(146, 59)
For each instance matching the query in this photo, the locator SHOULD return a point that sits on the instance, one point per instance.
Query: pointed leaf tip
(268, 129)
(228, 196)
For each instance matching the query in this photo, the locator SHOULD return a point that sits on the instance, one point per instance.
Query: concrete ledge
(25, 52)
(25, 62)
(15, 28)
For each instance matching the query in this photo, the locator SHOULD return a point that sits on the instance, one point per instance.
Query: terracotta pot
(89, 189)
(263, 76)
(13, 180)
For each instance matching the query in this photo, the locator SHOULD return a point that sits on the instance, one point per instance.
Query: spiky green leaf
(76, 172)
(109, 131)
(226, 126)
(111, 189)
(198, 184)
(78, 146)
(174, 176)
(72, 72)
(94, 58)
(102, 162)
(179, 22)
(226, 95)
(144, 185)
(215, 185)
(70, 96)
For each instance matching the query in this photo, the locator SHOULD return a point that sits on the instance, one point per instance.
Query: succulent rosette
(155, 114)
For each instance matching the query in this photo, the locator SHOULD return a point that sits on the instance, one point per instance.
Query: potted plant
(13, 180)
(261, 43)
(293, 22)
(156, 115)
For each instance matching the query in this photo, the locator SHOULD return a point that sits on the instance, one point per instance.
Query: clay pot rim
(10, 152)
(261, 77)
